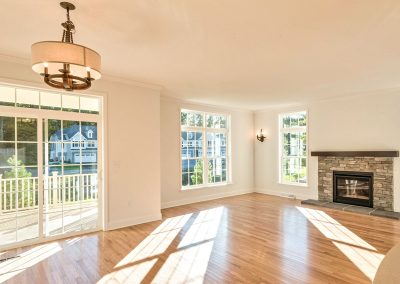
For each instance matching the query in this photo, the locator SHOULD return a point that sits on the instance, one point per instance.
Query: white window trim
(280, 137)
(204, 131)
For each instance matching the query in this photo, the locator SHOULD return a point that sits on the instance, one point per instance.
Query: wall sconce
(261, 136)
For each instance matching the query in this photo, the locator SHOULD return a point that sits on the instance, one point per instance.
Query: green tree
(17, 172)
(18, 179)
(216, 121)
(212, 173)
(184, 117)
(197, 176)
(7, 128)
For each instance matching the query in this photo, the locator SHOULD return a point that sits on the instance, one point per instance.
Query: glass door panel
(70, 176)
(19, 210)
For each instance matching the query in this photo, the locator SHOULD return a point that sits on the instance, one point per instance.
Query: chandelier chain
(69, 29)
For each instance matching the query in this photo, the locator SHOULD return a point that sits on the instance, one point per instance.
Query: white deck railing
(22, 193)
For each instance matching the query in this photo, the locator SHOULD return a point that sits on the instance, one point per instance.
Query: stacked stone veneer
(382, 168)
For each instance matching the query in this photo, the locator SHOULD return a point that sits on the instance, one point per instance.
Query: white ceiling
(241, 53)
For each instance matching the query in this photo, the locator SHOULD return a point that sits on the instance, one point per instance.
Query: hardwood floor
(251, 238)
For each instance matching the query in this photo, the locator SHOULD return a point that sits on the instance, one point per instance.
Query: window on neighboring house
(293, 148)
(78, 144)
(91, 144)
(204, 149)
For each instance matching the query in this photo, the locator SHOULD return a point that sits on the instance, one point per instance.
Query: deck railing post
(54, 187)
(93, 180)
(22, 197)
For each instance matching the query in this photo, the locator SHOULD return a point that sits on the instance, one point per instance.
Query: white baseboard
(133, 221)
(203, 198)
(298, 195)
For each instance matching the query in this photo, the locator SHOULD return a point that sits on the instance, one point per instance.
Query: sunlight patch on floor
(332, 229)
(186, 262)
(131, 274)
(205, 227)
(367, 261)
(14, 266)
(186, 265)
(158, 241)
(360, 252)
(189, 263)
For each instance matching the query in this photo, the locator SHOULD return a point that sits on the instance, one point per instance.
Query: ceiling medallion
(64, 64)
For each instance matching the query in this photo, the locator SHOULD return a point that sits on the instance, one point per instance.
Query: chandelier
(64, 64)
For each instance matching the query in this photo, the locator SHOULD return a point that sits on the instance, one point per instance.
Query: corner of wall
(254, 151)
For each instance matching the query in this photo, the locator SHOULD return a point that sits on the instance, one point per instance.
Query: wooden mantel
(355, 153)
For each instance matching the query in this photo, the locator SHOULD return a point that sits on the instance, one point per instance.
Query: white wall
(133, 154)
(132, 151)
(242, 143)
(368, 122)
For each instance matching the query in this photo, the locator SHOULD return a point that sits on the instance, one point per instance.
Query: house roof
(198, 135)
(71, 131)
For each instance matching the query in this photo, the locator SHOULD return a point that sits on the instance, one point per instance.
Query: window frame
(18, 93)
(204, 130)
(283, 131)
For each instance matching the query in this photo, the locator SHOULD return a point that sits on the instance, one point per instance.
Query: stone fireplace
(357, 178)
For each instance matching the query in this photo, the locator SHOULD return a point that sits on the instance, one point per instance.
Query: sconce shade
(55, 54)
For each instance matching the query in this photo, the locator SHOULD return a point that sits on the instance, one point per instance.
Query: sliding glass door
(50, 159)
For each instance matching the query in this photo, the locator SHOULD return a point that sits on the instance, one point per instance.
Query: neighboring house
(191, 144)
(75, 141)
(191, 147)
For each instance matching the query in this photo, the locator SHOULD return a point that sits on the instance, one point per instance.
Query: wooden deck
(55, 222)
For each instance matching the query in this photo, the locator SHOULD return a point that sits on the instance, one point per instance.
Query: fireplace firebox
(354, 188)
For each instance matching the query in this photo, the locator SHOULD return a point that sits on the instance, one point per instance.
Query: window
(91, 144)
(204, 149)
(293, 148)
(78, 145)
(30, 98)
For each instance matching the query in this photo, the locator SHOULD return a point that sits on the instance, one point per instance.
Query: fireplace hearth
(354, 188)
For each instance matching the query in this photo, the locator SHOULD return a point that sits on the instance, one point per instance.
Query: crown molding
(106, 77)
(117, 79)
(342, 97)
(14, 59)
(188, 102)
